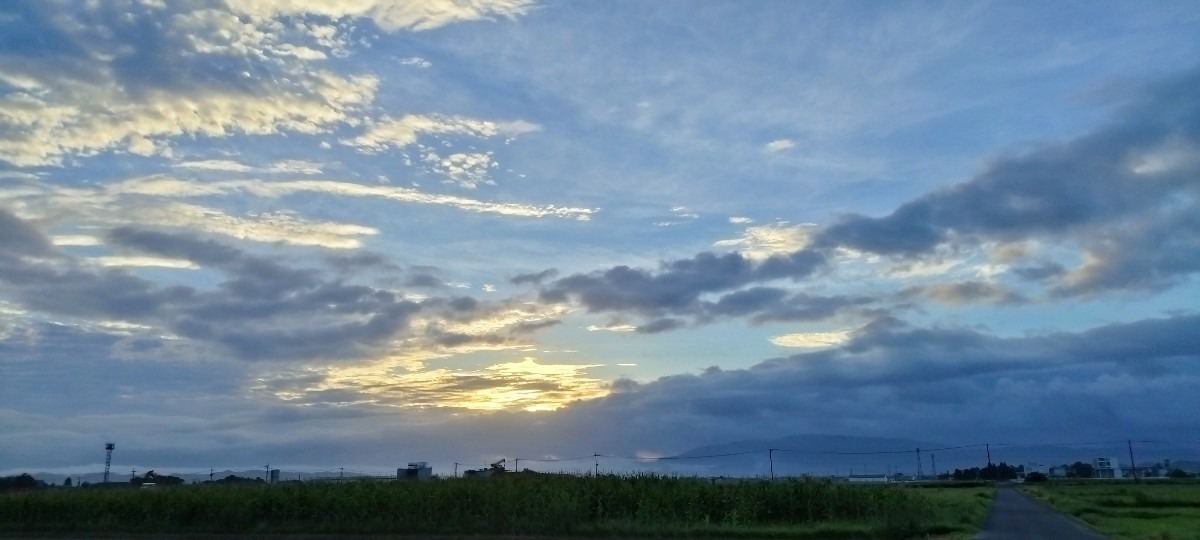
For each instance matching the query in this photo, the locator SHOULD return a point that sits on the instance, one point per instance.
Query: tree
(1035, 477)
(1178, 473)
(1080, 470)
(67, 482)
(22, 481)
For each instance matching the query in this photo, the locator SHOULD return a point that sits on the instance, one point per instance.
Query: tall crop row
(543, 505)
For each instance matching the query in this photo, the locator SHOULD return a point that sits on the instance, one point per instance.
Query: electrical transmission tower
(108, 448)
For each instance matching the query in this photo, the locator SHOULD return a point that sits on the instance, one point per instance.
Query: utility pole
(132, 474)
(1132, 463)
(341, 473)
(516, 464)
(919, 475)
(771, 458)
(933, 465)
(267, 475)
(988, 446)
(597, 457)
(210, 474)
(456, 464)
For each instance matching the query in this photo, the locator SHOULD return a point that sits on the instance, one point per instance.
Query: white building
(1106, 467)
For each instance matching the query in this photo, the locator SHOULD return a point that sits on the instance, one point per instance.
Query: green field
(1124, 509)
(627, 506)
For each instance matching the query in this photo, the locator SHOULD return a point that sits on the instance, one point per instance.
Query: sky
(321, 234)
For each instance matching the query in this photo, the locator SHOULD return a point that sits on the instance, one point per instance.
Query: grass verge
(1122, 509)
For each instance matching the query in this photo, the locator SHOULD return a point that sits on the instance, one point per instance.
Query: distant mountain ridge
(816, 443)
(821, 455)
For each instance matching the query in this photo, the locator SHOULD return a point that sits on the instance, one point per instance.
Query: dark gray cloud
(456, 339)
(952, 384)
(424, 281)
(1041, 272)
(263, 310)
(531, 327)
(359, 261)
(677, 286)
(533, 278)
(19, 238)
(771, 304)
(661, 325)
(1128, 192)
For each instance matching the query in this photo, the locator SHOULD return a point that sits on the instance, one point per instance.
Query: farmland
(631, 506)
(1123, 509)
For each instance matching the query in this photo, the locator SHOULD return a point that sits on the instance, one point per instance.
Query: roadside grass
(959, 508)
(1162, 509)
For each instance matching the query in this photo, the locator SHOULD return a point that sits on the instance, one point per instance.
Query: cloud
(416, 61)
(764, 241)
(391, 15)
(779, 145)
(535, 278)
(888, 376)
(400, 132)
(677, 287)
(291, 166)
(162, 186)
(467, 170)
(131, 77)
(661, 325)
(262, 310)
(812, 340)
(135, 261)
(527, 384)
(1097, 190)
(771, 304)
(967, 292)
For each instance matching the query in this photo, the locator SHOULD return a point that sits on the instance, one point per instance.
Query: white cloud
(400, 132)
(295, 166)
(612, 328)
(416, 61)
(811, 340)
(740, 220)
(143, 261)
(216, 165)
(65, 117)
(172, 187)
(76, 240)
(766, 240)
(467, 169)
(779, 145)
(391, 15)
(124, 202)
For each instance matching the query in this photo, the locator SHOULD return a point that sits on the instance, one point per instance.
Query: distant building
(868, 478)
(1157, 470)
(1106, 467)
(418, 470)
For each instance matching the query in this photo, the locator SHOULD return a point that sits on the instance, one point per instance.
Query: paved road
(1016, 516)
